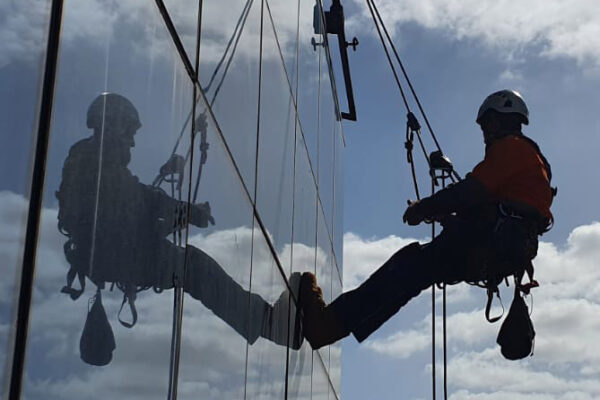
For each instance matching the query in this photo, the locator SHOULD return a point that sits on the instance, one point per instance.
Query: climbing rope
(413, 129)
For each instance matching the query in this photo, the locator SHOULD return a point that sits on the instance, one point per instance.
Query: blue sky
(456, 53)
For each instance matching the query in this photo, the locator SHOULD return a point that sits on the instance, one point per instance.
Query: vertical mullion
(254, 211)
(35, 201)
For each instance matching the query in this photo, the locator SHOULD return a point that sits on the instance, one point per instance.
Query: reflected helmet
(505, 101)
(112, 110)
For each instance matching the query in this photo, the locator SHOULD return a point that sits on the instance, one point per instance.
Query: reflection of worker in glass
(118, 229)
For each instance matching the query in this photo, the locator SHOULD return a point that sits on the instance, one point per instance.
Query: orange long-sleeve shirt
(513, 170)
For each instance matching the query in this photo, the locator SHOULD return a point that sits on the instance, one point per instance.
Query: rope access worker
(117, 229)
(491, 222)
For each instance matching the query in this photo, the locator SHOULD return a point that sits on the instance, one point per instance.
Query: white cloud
(551, 28)
(22, 24)
(565, 316)
(363, 256)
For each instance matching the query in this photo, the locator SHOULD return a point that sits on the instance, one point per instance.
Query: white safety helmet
(505, 101)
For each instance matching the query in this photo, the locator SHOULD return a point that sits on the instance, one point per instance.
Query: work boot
(320, 323)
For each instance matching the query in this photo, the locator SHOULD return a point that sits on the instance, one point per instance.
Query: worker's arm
(465, 194)
(171, 214)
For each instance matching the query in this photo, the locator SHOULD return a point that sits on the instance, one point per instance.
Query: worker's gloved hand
(414, 214)
(201, 216)
(175, 165)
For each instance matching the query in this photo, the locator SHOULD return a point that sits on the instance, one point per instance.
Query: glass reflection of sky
(124, 48)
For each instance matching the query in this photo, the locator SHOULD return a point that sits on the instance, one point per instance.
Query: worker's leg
(247, 313)
(362, 310)
(409, 271)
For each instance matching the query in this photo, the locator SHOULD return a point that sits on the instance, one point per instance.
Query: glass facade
(193, 172)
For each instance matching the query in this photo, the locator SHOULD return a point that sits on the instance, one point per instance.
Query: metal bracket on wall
(334, 24)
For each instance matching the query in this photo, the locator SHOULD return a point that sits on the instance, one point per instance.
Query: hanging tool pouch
(97, 339)
(516, 335)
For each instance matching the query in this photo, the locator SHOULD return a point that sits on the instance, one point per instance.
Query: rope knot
(412, 122)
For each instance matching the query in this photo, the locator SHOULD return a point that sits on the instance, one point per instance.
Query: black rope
(237, 32)
(237, 40)
(220, 63)
(412, 124)
(387, 54)
(445, 346)
(414, 93)
(433, 366)
(444, 335)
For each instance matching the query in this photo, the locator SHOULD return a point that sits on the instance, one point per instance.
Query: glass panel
(338, 198)
(305, 211)
(119, 215)
(21, 69)
(229, 63)
(335, 367)
(215, 323)
(269, 318)
(276, 149)
(324, 268)
(320, 383)
(285, 20)
(184, 14)
(309, 53)
(327, 122)
(300, 358)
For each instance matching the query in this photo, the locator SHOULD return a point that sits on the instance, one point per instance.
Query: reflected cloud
(57, 323)
(23, 24)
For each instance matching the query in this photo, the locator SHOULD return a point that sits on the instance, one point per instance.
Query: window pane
(285, 20)
(324, 269)
(269, 311)
(309, 55)
(122, 102)
(335, 370)
(327, 122)
(320, 382)
(215, 323)
(305, 211)
(21, 70)
(276, 149)
(300, 353)
(184, 14)
(338, 197)
(230, 51)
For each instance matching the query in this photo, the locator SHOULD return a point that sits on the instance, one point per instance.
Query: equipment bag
(97, 339)
(516, 336)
